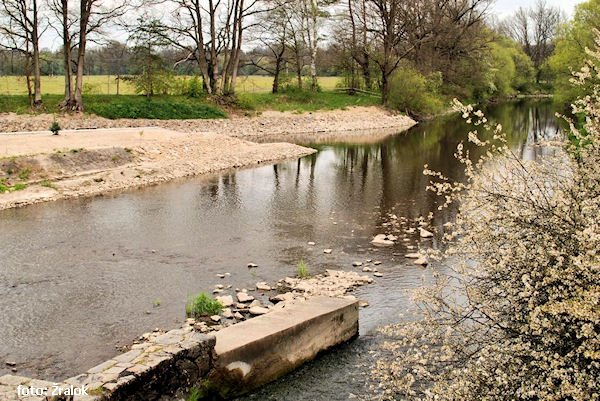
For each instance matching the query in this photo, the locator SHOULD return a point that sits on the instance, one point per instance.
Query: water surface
(77, 277)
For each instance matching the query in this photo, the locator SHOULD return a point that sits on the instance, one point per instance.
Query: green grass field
(253, 95)
(107, 85)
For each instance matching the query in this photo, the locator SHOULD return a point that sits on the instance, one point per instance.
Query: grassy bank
(301, 101)
(123, 106)
(181, 107)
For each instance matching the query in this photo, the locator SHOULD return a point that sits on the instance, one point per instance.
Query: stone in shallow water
(243, 297)
(311, 243)
(414, 255)
(356, 264)
(376, 274)
(327, 251)
(252, 265)
(422, 261)
(258, 310)
(363, 304)
(262, 286)
(227, 313)
(382, 240)
(225, 300)
(424, 233)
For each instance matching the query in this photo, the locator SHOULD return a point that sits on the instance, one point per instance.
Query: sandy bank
(93, 162)
(101, 155)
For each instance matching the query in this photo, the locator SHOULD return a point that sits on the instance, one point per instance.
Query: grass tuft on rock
(203, 305)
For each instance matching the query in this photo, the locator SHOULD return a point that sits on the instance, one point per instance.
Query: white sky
(504, 8)
(500, 9)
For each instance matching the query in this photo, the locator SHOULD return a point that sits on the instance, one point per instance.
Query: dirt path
(37, 166)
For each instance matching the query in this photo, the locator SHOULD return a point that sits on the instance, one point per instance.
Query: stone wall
(238, 358)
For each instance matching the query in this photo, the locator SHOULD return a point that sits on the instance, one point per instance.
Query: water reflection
(76, 277)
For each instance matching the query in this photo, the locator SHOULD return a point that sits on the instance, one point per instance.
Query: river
(78, 278)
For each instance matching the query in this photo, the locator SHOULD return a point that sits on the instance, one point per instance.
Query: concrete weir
(237, 359)
(259, 350)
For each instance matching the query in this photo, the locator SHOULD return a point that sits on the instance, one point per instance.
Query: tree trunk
(275, 88)
(37, 82)
(83, 24)
(69, 101)
(213, 63)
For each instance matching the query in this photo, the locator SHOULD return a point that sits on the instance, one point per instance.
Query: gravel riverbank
(90, 161)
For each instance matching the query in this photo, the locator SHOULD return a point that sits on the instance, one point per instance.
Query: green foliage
(163, 108)
(303, 101)
(302, 271)
(152, 75)
(203, 305)
(414, 94)
(24, 173)
(156, 303)
(569, 55)
(194, 88)
(48, 184)
(54, 127)
(194, 395)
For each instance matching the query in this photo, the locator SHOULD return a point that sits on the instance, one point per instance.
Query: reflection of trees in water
(394, 166)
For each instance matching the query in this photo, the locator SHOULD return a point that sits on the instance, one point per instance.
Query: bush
(516, 312)
(203, 305)
(54, 127)
(413, 94)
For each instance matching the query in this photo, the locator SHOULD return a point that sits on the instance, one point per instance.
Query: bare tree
(273, 35)
(20, 31)
(534, 28)
(66, 20)
(212, 37)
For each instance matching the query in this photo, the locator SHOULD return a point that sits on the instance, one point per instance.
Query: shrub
(412, 93)
(203, 305)
(54, 127)
(515, 314)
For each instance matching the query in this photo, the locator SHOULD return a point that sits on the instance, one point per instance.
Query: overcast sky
(504, 8)
(500, 9)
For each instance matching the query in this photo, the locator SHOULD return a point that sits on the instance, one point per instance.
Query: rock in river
(422, 261)
(243, 297)
(424, 233)
(258, 310)
(226, 300)
(383, 240)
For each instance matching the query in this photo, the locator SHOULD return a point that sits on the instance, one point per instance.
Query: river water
(78, 277)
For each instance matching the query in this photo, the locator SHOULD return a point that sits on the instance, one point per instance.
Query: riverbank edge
(232, 145)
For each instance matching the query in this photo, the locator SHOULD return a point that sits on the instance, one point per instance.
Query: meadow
(107, 84)
(253, 96)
